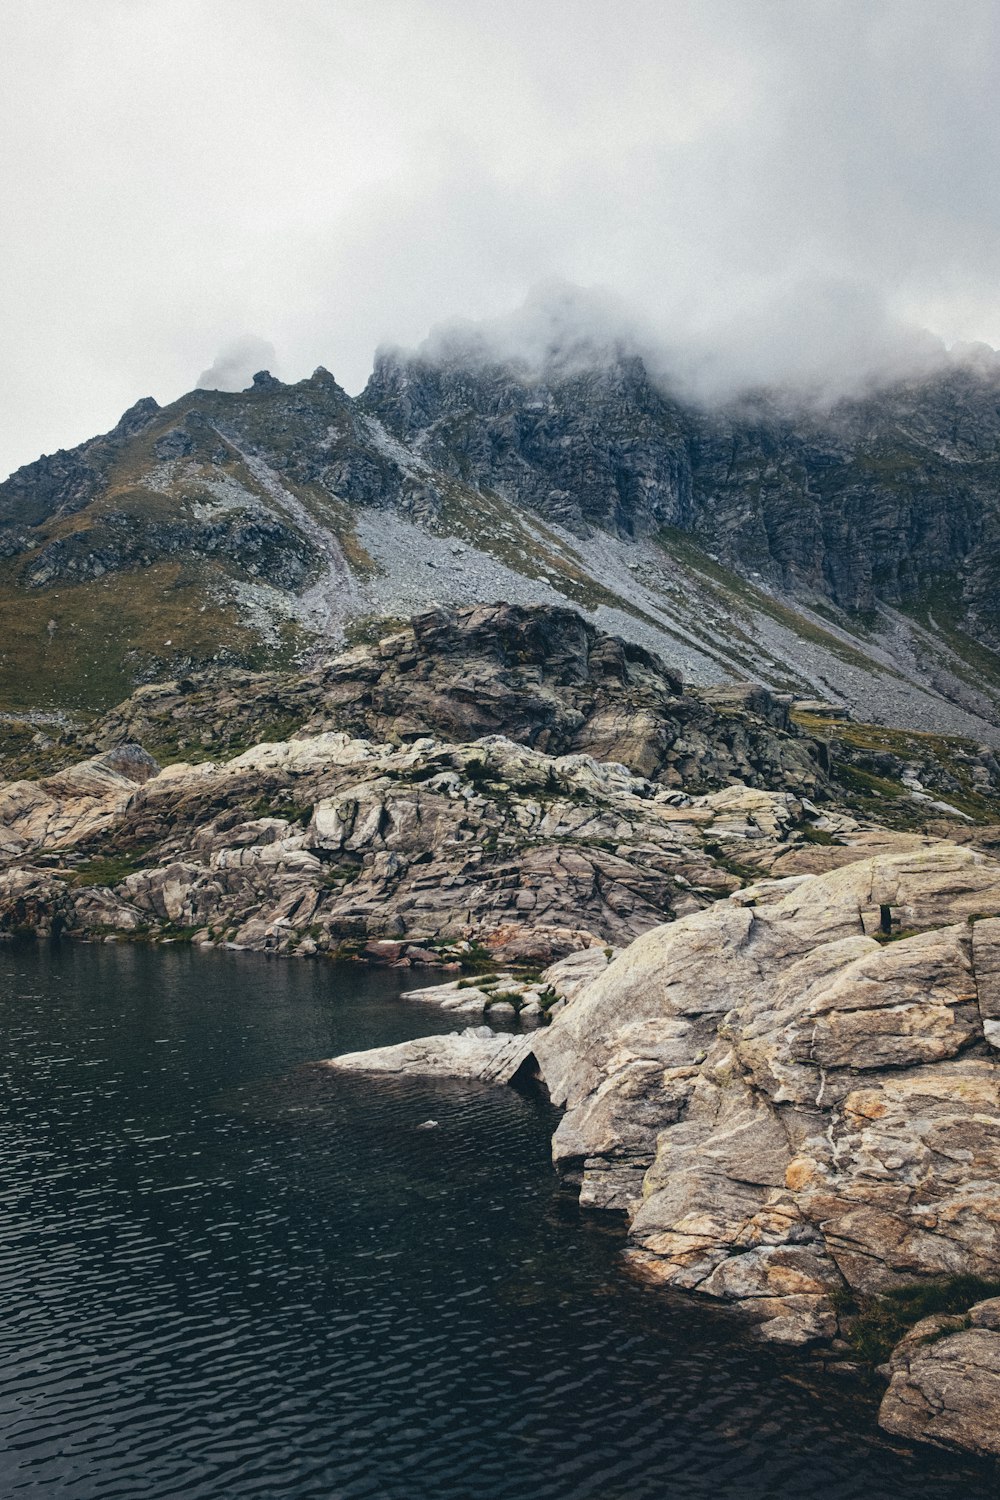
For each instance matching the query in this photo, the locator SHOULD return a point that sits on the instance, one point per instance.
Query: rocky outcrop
(509, 995)
(307, 844)
(848, 502)
(541, 676)
(770, 1025)
(74, 805)
(391, 816)
(794, 1097)
(783, 1105)
(744, 541)
(944, 1385)
(326, 842)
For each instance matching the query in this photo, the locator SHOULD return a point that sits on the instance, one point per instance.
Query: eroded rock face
(72, 805)
(785, 1107)
(792, 1113)
(796, 496)
(788, 1110)
(541, 676)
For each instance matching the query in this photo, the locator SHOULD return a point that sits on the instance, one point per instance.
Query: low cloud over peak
(775, 190)
(236, 364)
(815, 342)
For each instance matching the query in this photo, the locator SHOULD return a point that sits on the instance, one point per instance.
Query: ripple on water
(225, 1273)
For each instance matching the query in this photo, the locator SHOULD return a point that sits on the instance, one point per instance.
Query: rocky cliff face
(848, 554)
(880, 499)
(398, 810)
(543, 677)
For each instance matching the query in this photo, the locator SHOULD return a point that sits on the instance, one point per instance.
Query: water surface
(224, 1273)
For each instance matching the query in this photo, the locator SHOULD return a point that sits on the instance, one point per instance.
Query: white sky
(780, 181)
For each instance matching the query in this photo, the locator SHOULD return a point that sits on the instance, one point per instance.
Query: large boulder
(72, 805)
(784, 1105)
(944, 1385)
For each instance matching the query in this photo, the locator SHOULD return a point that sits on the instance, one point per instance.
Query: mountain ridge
(846, 555)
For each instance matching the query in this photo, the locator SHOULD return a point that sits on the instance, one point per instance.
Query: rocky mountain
(704, 816)
(845, 553)
(504, 776)
(500, 776)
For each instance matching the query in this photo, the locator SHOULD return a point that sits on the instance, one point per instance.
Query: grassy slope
(110, 632)
(736, 593)
(85, 645)
(945, 761)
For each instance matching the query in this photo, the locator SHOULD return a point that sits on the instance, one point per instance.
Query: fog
(235, 365)
(800, 192)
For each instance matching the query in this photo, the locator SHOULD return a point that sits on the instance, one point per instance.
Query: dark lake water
(225, 1274)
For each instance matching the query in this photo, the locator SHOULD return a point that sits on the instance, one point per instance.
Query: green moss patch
(875, 1325)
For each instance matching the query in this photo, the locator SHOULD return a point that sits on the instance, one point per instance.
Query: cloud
(818, 341)
(775, 189)
(237, 363)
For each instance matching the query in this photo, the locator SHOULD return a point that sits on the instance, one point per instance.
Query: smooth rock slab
(475, 1053)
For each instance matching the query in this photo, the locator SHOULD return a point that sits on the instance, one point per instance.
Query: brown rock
(944, 1383)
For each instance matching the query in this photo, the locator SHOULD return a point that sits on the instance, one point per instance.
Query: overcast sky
(193, 185)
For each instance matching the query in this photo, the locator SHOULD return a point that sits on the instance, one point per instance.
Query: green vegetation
(746, 874)
(85, 646)
(110, 869)
(336, 876)
(477, 960)
(368, 630)
(865, 784)
(811, 835)
(896, 937)
(279, 806)
(939, 609)
(875, 1324)
(505, 997)
(945, 763)
(478, 773)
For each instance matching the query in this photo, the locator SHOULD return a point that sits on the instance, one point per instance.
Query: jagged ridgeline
(847, 553)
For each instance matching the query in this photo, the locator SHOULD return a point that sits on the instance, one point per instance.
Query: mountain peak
(137, 417)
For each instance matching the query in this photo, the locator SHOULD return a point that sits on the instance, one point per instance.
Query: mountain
(756, 940)
(847, 553)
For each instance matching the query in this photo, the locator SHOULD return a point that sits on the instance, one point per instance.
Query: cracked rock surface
(785, 1106)
(945, 1382)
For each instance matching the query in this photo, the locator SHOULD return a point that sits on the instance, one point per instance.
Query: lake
(226, 1273)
